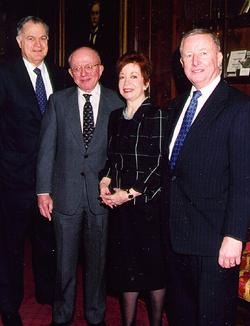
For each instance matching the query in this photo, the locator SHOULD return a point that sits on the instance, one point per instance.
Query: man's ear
(18, 39)
(181, 61)
(70, 72)
(219, 58)
(101, 69)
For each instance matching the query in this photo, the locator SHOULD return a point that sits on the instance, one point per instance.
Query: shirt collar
(95, 92)
(30, 67)
(207, 90)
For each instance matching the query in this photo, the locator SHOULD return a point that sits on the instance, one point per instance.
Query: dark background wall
(12, 11)
(77, 28)
(148, 28)
(152, 26)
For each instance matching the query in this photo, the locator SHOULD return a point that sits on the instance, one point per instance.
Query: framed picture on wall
(95, 23)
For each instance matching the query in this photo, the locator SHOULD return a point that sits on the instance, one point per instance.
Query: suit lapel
(174, 112)
(25, 84)
(59, 78)
(211, 109)
(102, 117)
(73, 116)
(99, 122)
(53, 77)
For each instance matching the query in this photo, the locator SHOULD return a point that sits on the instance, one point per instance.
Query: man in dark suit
(100, 36)
(95, 34)
(20, 119)
(67, 184)
(207, 190)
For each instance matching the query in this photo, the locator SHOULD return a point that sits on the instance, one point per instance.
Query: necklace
(126, 115)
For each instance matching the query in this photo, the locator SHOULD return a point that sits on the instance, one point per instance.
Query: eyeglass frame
(88, 68)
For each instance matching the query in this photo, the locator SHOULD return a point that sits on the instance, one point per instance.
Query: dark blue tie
(186, 124)
(88, 121)
(40, 91)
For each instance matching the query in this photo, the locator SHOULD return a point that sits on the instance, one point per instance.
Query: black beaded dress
(135, 253)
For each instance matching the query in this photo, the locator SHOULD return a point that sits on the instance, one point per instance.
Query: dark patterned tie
(40, 91)
(88, 121)
(186, 124)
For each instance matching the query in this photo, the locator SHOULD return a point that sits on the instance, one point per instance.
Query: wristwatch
(130, 196)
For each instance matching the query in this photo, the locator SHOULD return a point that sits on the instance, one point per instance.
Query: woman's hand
(118, 197)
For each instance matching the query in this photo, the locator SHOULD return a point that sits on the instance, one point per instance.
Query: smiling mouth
(85, 79)
(197, 70)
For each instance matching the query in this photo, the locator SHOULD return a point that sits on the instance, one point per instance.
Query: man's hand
(230, 252)
(45, 204)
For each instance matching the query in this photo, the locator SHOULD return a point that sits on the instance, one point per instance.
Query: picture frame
(234, 61)
(75, 30)
(238, 63)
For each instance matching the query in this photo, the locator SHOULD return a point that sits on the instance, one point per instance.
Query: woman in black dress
(130, 186)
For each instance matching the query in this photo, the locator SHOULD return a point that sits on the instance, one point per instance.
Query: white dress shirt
(30, 68)
(205, 93)
(94, 100)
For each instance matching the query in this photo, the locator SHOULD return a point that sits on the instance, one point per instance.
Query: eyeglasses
(88, 68)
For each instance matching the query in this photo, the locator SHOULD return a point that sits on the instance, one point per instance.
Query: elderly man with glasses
(72, 152)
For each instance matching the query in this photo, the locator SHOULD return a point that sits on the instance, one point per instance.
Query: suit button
(173, 177)
(82, 173)
(86, 156)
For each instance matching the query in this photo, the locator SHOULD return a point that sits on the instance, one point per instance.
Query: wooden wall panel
(150, 31)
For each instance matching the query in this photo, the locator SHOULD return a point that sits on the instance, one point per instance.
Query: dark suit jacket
(20, 120)
(210, 185)
(64, 166)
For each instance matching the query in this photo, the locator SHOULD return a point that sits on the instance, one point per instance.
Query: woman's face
(131, 82)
